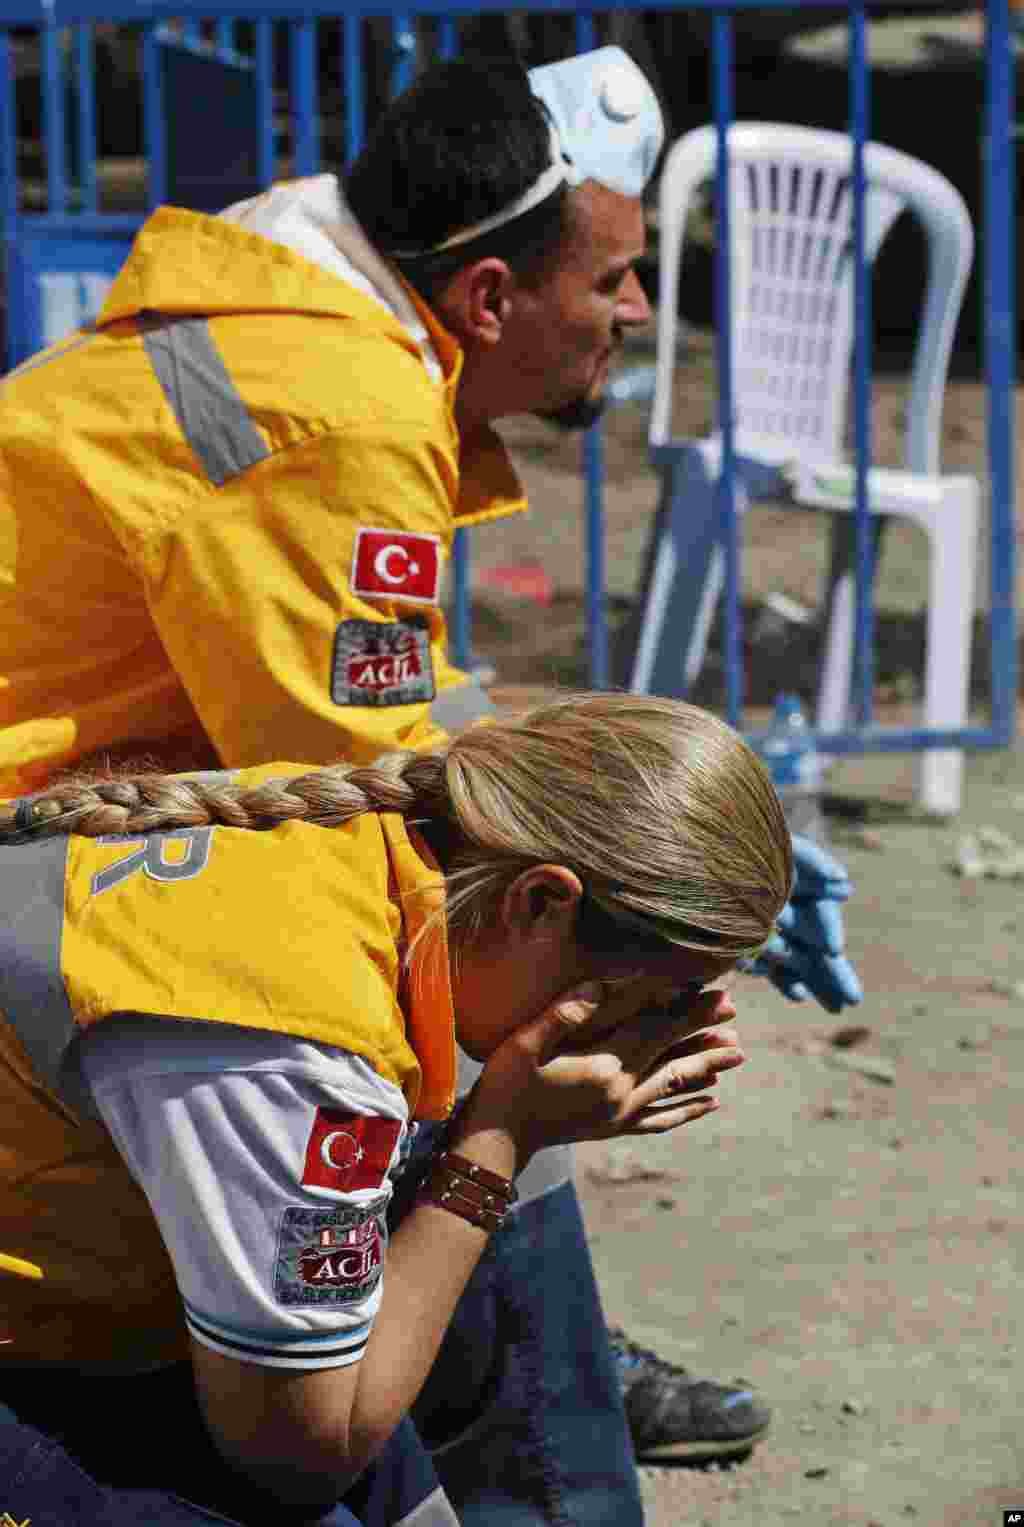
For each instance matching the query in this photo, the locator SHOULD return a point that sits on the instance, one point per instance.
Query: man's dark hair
(462, 143)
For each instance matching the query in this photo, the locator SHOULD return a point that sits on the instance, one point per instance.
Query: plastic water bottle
(791, 755)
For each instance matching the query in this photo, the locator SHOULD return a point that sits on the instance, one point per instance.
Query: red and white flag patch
(396, 564)
(348, 1151)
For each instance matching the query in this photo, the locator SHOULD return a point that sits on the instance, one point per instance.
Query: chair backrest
(792, 282)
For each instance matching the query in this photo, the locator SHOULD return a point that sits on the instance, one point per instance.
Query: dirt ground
(846, 1233)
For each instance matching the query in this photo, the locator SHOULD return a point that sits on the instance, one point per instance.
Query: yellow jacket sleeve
(299, 603)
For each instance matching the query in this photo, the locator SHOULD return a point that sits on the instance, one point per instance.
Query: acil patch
(329, 1256)
(382, 663)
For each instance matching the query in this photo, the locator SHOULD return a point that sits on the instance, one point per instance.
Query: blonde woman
(230, 1001)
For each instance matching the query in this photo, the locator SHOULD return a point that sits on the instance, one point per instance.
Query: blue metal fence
(59, 259)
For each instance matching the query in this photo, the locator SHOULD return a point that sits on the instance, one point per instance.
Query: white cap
(606, 125)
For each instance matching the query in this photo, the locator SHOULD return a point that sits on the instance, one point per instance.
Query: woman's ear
(542, 904)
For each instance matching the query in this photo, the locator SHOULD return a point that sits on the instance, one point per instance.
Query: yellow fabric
(141, 602)
(299, 930)
(291, 931)
(107, 1298)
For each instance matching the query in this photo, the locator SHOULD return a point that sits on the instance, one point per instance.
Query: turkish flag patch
(396, 564)
(382, 663)
(348, 1151)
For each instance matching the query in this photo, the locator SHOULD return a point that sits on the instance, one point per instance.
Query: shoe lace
(633, 1354)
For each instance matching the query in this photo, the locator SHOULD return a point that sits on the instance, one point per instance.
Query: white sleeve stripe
(297, 1360)
(340, 1346)
(216, 1327)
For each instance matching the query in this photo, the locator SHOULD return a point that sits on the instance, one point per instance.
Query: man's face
(562, 336)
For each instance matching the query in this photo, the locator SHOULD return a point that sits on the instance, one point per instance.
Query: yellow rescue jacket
(182, 491)
(299, 930)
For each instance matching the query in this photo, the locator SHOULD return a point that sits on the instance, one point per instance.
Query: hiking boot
(673, 1415)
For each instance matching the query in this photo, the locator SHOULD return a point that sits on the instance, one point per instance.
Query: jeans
(520, 1419)
(522, 1409)
(78, 1451)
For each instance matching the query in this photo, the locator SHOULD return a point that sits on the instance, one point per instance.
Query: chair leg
(954, 543)
(839, 617)
(664, 647)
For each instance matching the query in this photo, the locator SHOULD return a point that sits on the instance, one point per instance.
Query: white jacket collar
(312, 217)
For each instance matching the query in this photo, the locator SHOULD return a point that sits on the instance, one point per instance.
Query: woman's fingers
(684, 1074)
(594, 1017)
(643, 1044)
(699, 1044)
(658, 1121)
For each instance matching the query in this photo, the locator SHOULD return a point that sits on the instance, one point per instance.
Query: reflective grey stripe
(458, 706)
(548, 1170)
(206, 403)
(435, 1511)
(32, 993)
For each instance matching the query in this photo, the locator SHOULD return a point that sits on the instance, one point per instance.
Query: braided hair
(406, 783)
(664, 813)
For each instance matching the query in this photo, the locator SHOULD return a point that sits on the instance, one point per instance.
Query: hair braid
(406, 783)
(665, 815)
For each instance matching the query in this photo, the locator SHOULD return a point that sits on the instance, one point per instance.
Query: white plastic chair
(792, 289)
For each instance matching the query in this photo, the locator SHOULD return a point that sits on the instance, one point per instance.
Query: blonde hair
(668, 818)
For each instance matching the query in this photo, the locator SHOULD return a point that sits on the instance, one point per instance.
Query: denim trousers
(520, 1420)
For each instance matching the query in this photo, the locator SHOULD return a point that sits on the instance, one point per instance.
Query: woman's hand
(588, 1069)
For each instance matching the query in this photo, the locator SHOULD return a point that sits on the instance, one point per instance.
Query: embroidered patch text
(381, 663)
(330, 1255)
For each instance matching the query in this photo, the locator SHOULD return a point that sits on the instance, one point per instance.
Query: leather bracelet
(474, 1213)
(442, 1179)
(502, 1187)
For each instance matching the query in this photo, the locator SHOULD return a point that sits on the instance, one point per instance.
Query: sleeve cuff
(331, 1349)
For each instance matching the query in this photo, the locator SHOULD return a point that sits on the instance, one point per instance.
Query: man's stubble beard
(581, 413)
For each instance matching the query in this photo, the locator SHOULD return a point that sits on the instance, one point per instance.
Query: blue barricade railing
(62, 248)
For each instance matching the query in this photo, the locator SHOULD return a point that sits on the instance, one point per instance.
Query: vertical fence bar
(352, 74)
(53, 118)
(304, 102)
(85, 124)
(1000, 358)
(8, 186)
(593, 477)
(403, 43)
(586, 32)
(447, 36)
(448, 47)
(860, 116)
(597, 617)
(224, 34)
(155, 126)
(724, 106)
(266, 147)
(8, 136)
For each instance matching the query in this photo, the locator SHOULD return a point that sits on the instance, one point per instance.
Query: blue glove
(804, 957)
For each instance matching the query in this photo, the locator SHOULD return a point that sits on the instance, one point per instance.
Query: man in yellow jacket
(225, 513)
(227, 507)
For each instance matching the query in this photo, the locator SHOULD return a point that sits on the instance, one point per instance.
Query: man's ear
(476, 302)
(542, 904)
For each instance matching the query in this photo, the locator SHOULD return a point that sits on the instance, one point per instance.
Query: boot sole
(706, 1449)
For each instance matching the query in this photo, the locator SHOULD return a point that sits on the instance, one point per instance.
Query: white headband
(558, 173)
